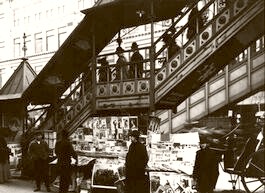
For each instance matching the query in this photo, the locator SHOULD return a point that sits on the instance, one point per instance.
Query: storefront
(105, 139)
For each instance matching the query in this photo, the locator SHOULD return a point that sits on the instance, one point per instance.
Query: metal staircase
(197, 61)
(77, 55)
(242, 77)
(220, 40)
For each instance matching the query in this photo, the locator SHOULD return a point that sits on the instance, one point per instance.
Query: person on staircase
(103, 70)
(171, 44)
(136, 62)
(195, 23)
(121, 66)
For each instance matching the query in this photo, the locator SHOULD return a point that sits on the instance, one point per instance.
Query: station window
(38, 43)
(259, 44)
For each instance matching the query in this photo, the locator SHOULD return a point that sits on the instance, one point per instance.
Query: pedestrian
(39, 153)
(103, 70)
(195, 23)
(206, 172)
(136, 162)
(136, 62)
(171, 44)
(64, 152)
(4, 160)
(121, 66)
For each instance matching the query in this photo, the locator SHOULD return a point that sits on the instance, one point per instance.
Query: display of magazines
(107, 135)
(164, 182)
(105, 176)
(175, 152)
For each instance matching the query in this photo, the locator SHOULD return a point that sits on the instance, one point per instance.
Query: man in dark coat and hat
(136, 162)
(136, 62)
(103, 70)
(206, 172)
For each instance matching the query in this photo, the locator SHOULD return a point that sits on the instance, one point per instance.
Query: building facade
(46, 24)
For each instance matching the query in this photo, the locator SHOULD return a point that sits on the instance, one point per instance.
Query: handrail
(184, 27)
(65, 100)
(175, 22)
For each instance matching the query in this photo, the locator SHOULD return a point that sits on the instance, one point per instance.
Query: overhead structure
(223, 37)
(92, 34)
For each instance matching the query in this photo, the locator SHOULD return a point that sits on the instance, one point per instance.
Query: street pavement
(16, 185)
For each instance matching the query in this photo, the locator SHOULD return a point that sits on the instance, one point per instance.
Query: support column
(152, 60)
(94, 68)
(249, 68)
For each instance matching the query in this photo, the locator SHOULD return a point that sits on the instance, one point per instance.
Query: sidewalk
(16, 185)
(19, 186)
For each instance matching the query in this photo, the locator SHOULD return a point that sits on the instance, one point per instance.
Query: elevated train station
(221, 64)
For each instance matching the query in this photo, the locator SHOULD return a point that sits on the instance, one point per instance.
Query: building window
(38, 43)
(17, 47)
(1, 16)
(61, 35)
(81, 4)
(50, 41)
(28, 45)
(60, 10)
(1, 77)
(38, 68)
(2, 49)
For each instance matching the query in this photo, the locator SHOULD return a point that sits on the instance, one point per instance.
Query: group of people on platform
(132, 69)
(123, 69)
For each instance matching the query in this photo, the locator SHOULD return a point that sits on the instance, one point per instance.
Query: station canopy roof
(104, 20)
(18, 82)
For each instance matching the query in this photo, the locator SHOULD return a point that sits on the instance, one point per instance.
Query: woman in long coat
(4, 160)
(136, 162)
(206, 170)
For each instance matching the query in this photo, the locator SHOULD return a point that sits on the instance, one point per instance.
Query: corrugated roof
(18, 82)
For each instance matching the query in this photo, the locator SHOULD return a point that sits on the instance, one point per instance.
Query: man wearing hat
(121, 66)
(136, 62)
(64, 152)
(39, 152)
(136, 162)
(103, 70)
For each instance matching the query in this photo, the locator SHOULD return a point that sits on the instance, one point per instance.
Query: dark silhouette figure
(4, 160)
(195, 23)
(173, 48)
(39, 152)
(206, 170)
(64, 151)
(136, 62)
(136, 162)
(103, 70)
(121, 66)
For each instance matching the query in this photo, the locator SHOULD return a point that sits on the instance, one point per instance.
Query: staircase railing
(51, 114)
(203, 34)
